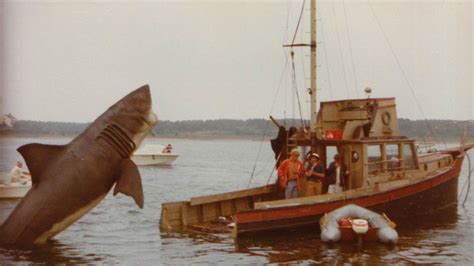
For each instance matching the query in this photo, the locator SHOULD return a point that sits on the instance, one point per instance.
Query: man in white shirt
(17, 175)
(336, 175)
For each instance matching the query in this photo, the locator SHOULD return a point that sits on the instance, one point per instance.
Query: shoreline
(218, 137)
(209, 137)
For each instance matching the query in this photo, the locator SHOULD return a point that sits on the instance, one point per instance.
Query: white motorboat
(153, 154)
(13, 189)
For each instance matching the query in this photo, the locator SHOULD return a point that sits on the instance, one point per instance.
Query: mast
(312, 89)
(312, 128)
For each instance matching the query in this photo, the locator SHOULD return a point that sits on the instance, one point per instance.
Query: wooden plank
(175, 223)
(231, 195)
(353, 115)
(171, 214)
(242, 204)
(312, 199)
(210, 212)
(184, 215)
(226, 208)
(392, 184)
(191, 214)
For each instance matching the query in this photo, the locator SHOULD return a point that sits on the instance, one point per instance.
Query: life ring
(386, 118)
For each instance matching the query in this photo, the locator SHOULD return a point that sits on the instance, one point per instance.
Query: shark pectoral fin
(129, 182)
(38, 157)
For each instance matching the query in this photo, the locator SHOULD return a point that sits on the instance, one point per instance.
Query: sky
(69, 61)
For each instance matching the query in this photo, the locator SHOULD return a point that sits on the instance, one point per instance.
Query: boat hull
(159, 159)
(13, 191)
(426, 196)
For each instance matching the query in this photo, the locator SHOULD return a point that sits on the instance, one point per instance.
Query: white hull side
(14, 191)
(160, 159)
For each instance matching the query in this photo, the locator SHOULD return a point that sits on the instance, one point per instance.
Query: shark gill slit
(118, 140)
(125, 136)
(122, 143)
(115, 143)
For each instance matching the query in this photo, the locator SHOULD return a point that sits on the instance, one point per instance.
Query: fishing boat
(154, 154)
(387, 172)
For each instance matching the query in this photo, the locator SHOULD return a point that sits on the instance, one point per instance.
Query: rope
(273, 169)
(299, 21)
(468, 182)
(404, 75)
(295, 87)
(340, 50)
(268, 123)
(356, 86)
(327, 61)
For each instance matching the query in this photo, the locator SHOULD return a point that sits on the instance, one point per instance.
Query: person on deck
(336, 175)
(314, 175)
(290, 175)
(17, 175)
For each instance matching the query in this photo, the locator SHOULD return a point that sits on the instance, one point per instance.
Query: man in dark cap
(314, 175)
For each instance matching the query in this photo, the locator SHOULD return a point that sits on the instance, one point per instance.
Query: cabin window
(374, 158)
(392, 152)
(330, 152)
(408, 158)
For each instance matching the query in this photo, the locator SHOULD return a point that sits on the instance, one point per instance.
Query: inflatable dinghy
(349, 222)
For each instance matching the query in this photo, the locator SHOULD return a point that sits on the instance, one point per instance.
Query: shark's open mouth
(118, 139)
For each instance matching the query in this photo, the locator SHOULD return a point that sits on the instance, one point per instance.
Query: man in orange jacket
(290, 175)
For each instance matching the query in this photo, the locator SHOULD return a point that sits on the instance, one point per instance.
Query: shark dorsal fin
(38, 157)
(129, 182)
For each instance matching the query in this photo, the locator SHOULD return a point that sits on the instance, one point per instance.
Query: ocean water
(117, 231)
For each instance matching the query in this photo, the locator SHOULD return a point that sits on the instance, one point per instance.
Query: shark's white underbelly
(61, 225)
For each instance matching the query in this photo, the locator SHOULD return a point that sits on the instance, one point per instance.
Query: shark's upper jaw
(149, 123)
(141, 112)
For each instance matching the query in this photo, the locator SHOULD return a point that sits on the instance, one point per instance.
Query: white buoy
(360, 226)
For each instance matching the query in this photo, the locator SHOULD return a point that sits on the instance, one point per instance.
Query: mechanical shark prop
(69, 180)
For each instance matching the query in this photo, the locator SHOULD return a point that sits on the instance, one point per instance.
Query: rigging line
(326, 59)
(340, 49)
(468, 180)
(274, 168)
(405, 76)
(299, 21)
(303, 68)
(302, 56)
(295, 87)
(356, 86)
(283, 73)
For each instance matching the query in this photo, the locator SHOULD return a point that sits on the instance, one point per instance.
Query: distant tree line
(231, 128)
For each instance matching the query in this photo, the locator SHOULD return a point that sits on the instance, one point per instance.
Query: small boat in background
(351, 222)
(13, 189)
(154, 154)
